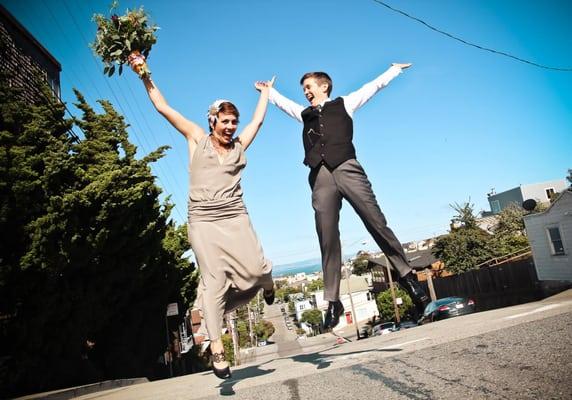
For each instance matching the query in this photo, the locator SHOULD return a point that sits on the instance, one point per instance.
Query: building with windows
(550, 236)
(541, 192)
(25, 59)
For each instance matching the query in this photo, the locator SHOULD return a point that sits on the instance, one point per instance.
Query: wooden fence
(493, 287)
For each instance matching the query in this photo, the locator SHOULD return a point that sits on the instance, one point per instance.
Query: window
(555, 239)
(495, 206)
(549, 193)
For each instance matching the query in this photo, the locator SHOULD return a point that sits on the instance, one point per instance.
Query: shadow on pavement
(227, 387)
(318, 359)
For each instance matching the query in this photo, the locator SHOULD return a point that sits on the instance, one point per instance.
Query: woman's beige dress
(230, 258)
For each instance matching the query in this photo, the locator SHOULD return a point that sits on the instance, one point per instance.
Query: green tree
(264, 329)
(284, 292)
(243, 334)
(228, 348)
(569, 178)
(509, 233)
(176, 243)
(87, 252)
(385, 306)
(313, 318)
(291, 308)
(360, 264)
(316, 285)
(243, 321)
(466, 245)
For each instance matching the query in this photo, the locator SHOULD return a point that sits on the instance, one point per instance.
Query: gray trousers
(350, 182)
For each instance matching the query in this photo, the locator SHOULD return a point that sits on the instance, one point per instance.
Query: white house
(550, 236)
(301, 306)
(364, 301)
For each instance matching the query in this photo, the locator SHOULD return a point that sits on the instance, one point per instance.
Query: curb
(78, 391)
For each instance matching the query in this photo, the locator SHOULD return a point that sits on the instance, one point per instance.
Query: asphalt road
(527, 361)
(520, 352)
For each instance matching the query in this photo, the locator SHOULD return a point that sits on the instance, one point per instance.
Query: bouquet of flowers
(118, 37)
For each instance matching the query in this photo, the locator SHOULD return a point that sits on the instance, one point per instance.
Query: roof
(567, 194)
(357, 284)
(10, 18)
(520, 186)
(419, 259)
(488, 223)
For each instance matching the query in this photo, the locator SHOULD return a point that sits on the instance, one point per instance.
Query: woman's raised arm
(249, 132)
(189, 129)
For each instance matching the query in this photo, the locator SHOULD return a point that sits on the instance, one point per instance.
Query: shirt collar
(324, 102)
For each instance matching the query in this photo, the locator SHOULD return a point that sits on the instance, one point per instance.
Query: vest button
(323, 144)
(322, 154)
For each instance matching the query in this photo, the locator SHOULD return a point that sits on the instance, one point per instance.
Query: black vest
(328, 135)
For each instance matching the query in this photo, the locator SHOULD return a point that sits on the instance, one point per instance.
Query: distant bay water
(307, 266)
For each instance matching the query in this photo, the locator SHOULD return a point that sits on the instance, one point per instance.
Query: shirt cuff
(395, 69)
(272, 94)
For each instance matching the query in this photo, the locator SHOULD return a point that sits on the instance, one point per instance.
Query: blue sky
(459, 122)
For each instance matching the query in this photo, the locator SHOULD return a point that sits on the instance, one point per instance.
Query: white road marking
(336, 358)
(541, 309)
(404, 343)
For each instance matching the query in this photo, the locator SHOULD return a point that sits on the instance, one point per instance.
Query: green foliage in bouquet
(119, 36)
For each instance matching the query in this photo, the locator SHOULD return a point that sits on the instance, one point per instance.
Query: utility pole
(395, 307)
(231, 323)
(354, 316)
(354, 319)
(429, 275)
(250, 331)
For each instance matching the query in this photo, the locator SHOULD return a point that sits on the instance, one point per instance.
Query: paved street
(520, 352)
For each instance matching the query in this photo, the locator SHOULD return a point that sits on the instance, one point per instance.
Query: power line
(469, 43)
(120, 106)
(169, 127)
(176, 209)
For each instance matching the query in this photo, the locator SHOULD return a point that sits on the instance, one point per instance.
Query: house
(488, 222)
(420, 260)
(24, 57)
(302, 305)
(541, 192)
(364, 301)
(550, 236)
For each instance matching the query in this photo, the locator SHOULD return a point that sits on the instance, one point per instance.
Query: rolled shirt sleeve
(290, 107)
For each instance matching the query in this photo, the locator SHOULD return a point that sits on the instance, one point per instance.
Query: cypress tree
(89, 259)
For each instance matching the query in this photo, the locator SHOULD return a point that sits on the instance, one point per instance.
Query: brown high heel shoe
(222, 373)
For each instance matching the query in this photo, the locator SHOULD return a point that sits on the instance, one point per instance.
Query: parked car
(446, 308)
(384, 328)
(365, 331)
(407, 324)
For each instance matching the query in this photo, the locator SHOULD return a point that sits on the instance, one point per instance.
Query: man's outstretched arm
(285, 104)
(356, 99)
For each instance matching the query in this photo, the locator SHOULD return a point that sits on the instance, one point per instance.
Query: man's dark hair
(320, 77)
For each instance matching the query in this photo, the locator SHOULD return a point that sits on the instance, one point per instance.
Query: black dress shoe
(222, 373)
(268, 296)
(335, 310)
(413, 288)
